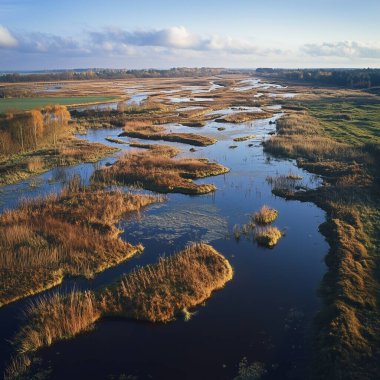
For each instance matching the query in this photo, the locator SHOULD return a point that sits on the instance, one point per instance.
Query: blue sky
(41, 34)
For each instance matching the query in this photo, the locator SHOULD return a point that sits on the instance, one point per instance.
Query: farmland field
(26, 104)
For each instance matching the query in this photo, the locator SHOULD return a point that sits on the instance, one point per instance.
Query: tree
(37, 122)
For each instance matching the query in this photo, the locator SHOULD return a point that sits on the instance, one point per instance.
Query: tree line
(31, 130)
(351, 78)
(109, 74)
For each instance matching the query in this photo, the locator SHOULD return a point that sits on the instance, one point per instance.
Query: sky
(65, 34)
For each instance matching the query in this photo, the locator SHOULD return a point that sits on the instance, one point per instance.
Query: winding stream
(263, 314)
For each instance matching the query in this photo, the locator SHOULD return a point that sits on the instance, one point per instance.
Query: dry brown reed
(267, 236)
(72, 233)
(161, 173)
(158, 292)
(155, 132)
(265, 215)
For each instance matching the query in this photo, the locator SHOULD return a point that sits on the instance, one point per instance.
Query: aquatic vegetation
(158, 292)
(155, 293)
(154, 132)
(69, 234)
(158, 172)
(265, 215)
(56, 317)
(293, 176)
(250, 371)
(345, 331)
(161, 150)
(285, 185)
(115, 140)
(267, 236)
(243, 117)
(17, 367)
(244, 138)
(297, 137)
(72, 151)
(200, 222)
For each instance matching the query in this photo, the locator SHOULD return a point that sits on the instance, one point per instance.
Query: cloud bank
(167, 47)
(6, 38)
(348, 49)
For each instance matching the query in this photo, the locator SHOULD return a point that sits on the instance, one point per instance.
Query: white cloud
(345, 49)
(176, 37)
(115, 41)
(6, 38)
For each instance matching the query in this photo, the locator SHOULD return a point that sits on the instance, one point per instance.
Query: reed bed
(267, 236)
(265, 215)
(160, 172)
(155, 132)
(156, 293)
(243, 117)
(72, 233)
(346, 328)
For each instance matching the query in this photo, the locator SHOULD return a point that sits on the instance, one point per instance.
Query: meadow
(345, 151)
(27, 104)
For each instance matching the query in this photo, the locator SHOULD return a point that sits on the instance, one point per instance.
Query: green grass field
(24, 104)
(354, 120)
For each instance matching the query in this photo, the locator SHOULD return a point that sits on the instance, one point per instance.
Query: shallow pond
(135, 99)
(263, 314)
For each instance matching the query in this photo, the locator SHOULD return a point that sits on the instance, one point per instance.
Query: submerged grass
(70, 234)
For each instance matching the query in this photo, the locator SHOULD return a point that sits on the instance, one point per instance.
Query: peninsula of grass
(154, 170)
(73, 151)
(267, 236)
(115, 140)
(243, 117)
(344, 150)
(70, 234)
(154, 132)
(161, 150)
(155, 293)
(266, 215)
(194, 124)
(26, 104)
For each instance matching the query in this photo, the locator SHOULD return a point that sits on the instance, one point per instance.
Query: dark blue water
(263, 314)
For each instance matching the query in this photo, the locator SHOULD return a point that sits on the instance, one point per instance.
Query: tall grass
(155, 293)
(146, 131)
(346, 331)
(267, 236)
(72, 233)
(160, 172)
(158, 292)
(265, 215)
(17, 367)
(300, 135)
(56, 317)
